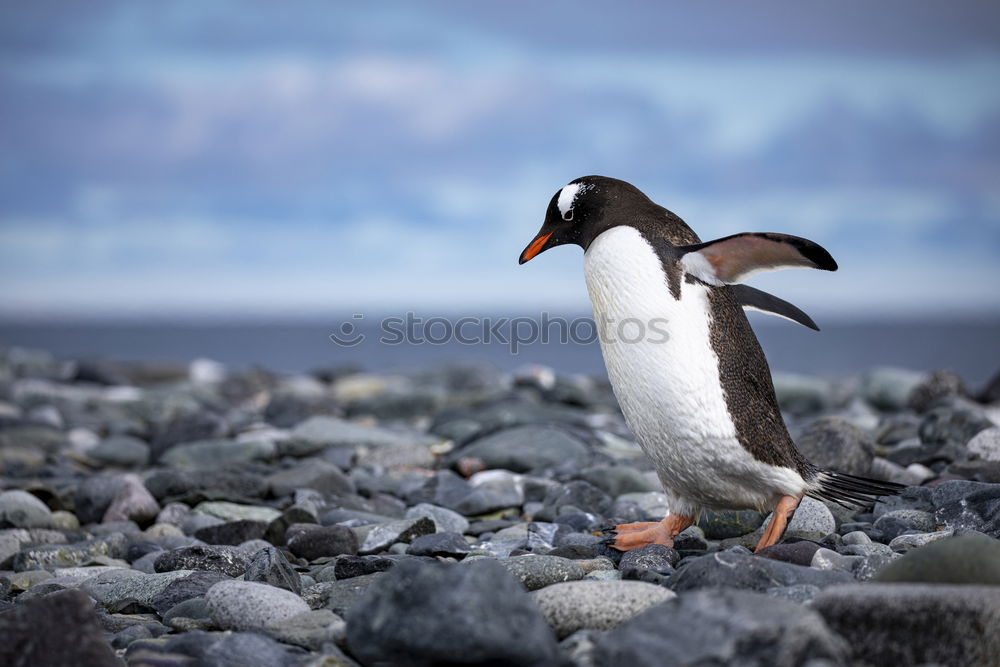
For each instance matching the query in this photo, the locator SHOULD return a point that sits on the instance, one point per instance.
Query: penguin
(695, 389)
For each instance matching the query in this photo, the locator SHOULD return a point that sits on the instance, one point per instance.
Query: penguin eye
(568, 215)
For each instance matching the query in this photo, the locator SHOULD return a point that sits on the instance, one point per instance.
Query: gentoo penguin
(697, 392)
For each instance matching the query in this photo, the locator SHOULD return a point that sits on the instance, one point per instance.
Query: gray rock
(231, 532)
(986, 444)
(618, 480)
(117, 588)
(731, 523)
(249, 605)
(889, 388)
(903, 624)
(577, 495)
(319, 432)
(523, 448)
(654, 557)
(798, 593)
(968, 559)
(209, 454)
(310, 630)
(914, 540)
(188, 615)
(444, 519)
(246, 649)
(312, 474)
(439, 614)
(71, 555)
(380, 537)
(93, 496)
(939, 385)
(652, 504)
(439, 544)
(121, 450)
(730, 569)
(722, 628)
(595, 605)
(269, 566)
(179, 590)
(132, 502)
(20, 509)
(834, 442)
(536, 571)
(812, 521)
(339, 596)
(227, 560)
(237, 512)
(311, 541)
(57, 629)
(968, 505)
(953, 424)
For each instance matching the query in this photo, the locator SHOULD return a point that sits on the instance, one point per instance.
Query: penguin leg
(630, 536)
(779, 521)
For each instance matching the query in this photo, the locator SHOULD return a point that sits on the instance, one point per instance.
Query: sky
(240, 157)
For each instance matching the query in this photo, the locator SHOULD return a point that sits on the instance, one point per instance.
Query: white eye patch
(567, 196)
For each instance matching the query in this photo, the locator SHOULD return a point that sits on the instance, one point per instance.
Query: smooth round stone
(967, 559)
(596, 605)
(915, 540)
(444, 519)
(121, 450)
(438, 544)
(536, 571)
(835, 442)
(986, 444)
(248, 605)
(812, 521)
(651, 557)
(228, 511)
(20, 509)
(856, 537)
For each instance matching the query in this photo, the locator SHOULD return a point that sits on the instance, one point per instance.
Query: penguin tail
(850, 490)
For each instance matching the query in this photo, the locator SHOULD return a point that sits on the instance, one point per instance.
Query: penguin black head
(590, 205)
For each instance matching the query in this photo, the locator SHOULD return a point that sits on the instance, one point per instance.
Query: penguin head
(581, 210)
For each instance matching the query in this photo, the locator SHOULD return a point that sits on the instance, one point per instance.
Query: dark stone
(578, 494)
(890, 527)
(616, 480)
(654, 557)
(952, 425)
(724, 627)
(270, 566)
(439, 544)
(990, 393)
(910, 498)
(226, 560)
(522, 449)
(69, 625)
(730, 569)
(729, 523)
(232, 532)
(200, 425)
(311, 541)
(341, 595)
(968, 505)
(423, 613)
(249, 649)
(580, 522)
(978, 470)
(445, 489)
(348, 567)
(575, 551)
(966, 559)
(137, 550)
(94, 495)
(798, 553)
(194, 486)
(314, 474)
(277, 529)
(939, 385)
(195, 585)
(130, 634)
(834, 442)
(915, 624)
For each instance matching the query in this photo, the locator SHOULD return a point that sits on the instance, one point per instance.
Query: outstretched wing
(735, 258)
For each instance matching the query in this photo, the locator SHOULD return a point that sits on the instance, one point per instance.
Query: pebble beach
(175, 514)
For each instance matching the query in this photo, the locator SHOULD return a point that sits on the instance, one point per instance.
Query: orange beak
(534, 248)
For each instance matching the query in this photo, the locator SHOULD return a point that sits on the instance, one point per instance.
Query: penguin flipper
(732, 259)
(750, 297)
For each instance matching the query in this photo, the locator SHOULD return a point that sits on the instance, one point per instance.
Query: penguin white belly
(665, 375)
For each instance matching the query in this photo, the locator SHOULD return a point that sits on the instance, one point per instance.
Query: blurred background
(234, 179)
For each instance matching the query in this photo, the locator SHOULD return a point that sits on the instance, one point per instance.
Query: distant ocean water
(971, 348)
